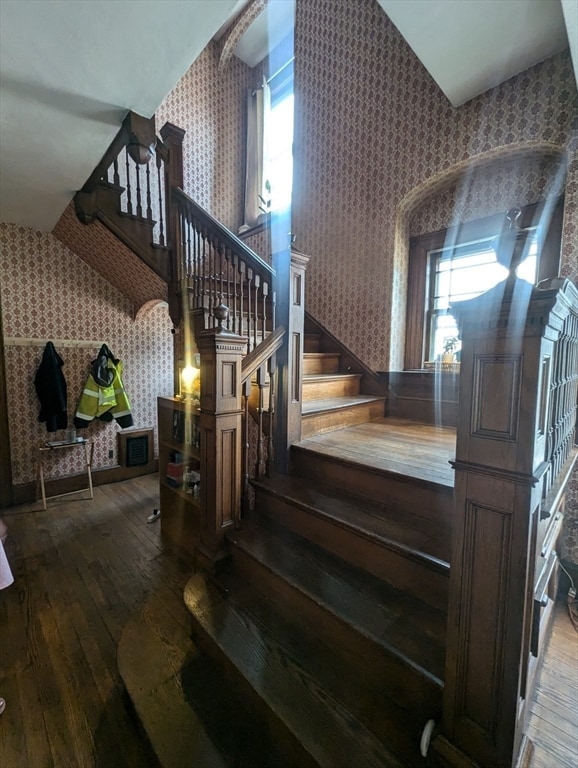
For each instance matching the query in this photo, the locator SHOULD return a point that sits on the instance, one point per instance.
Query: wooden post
(508, 337)
(221, 433)
(174, 177)
(291, 314)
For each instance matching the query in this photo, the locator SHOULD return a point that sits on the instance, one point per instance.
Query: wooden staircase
(330, 616)
(331, 399)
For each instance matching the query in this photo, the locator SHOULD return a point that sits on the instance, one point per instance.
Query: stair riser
(382, 670)
(340, 387)
(408, 572)
(315, 424)
(311, 342)
(427, 506)
(295, 754)
(320, 363)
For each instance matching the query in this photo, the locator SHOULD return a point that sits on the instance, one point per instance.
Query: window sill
(263, 224)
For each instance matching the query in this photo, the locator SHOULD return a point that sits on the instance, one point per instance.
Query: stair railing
(217, 268)
(136, 191)
(128, 190)
(514, 454)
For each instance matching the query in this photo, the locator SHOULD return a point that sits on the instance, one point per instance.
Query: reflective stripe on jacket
(104, 402)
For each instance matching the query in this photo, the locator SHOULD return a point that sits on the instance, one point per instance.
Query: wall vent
(135, 447)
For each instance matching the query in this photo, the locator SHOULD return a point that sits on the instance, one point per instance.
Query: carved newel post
(508, 343)
(221, 413)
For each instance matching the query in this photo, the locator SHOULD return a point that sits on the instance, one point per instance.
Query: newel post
(290, 312)
(172, 137)
(508, 337)
(221, 430)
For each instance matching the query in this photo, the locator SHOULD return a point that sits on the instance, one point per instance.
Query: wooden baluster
(257, 284)
(182, 256)
(260, 465)
(149, 206)
(270, 463)
(249, 315)
(128, 184)
(160, 202)
(235, 264)
(221, 269)
(204, 276)
(189, 250)
(245, 493)
(138, 192)
(115, 175)
(265, 293)
(242, 268)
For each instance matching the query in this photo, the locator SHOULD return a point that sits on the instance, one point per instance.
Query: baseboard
(26, 493)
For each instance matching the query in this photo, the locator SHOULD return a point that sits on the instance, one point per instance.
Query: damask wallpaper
(209, 104)
(380, 153)
(48, 292)
(375, 139)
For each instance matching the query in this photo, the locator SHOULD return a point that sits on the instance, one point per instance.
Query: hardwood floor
(83, 569)
(422, 451)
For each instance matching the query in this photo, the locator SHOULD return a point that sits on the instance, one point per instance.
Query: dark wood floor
(422, 451)
(83, 569)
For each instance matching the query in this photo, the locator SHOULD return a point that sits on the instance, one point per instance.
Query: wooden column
(290, 277)
(508, 337)
(173, 137)
(221, 415)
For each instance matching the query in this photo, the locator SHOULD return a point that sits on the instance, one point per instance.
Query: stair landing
(404, 447)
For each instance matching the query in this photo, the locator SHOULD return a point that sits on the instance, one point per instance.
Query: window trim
(421, 245)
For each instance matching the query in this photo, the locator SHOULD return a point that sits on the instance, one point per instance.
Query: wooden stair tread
(337, 403)
(331, 377)
(406, 448)
(169, 681)
(392, 526)
(299, 681)
(402, 625)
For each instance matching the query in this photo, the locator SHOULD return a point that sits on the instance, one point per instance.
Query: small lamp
(190, 382)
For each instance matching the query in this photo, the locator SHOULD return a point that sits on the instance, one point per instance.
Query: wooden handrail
(261, 353)
(226, 238)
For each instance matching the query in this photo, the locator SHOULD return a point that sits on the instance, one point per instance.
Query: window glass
(461, 273)
(280, 147)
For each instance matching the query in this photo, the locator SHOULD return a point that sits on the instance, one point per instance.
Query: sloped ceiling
(69, 72)
(71, 69)
(469, 47)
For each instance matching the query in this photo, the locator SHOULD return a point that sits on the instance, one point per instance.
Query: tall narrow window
(280, 139)
(461, 273)
(269, 172)
(459, 263)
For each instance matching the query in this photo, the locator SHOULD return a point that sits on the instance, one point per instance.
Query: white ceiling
(70, 70)
(469, 46)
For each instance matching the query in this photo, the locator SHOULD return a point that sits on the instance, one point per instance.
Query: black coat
(51, 390)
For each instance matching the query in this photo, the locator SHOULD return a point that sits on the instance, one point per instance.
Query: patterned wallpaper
(371, 128)
(106, 254)
(48, 292)
(497, 187)
(379, 152)
(209, 103)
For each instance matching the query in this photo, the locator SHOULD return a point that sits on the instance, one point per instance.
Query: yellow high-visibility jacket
(102, 400)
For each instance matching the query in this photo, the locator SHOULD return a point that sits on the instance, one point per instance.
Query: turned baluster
(245, 495)
(160, 202)
(257, 285)
(115, 174)
(270, 463)
(149, 205)
(249, 315)
(138, 192)
(128, 184)
(260, 465)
